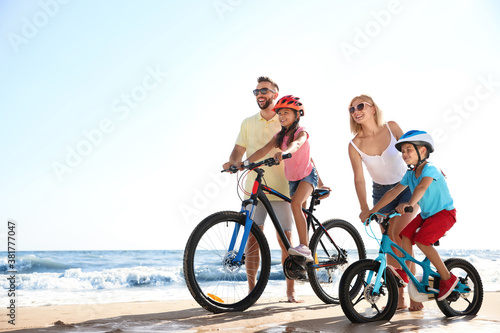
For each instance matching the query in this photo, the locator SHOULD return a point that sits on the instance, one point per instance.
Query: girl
(299, 169)
(373, 145)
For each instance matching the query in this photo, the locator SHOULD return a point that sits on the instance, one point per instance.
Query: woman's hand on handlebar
(364, 215)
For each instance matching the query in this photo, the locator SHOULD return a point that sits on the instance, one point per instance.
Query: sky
(116, 116)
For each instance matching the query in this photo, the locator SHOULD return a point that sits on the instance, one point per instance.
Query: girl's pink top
(299, 165)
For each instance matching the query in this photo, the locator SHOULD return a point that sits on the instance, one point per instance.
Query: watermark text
(121, 109)
(364, 36)
(31, 26)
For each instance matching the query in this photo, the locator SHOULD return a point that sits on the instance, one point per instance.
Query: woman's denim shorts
(312, 179)
(380, 190)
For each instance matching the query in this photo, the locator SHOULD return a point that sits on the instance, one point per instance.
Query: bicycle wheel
(214, 281)
(467, 303)
(325, 280)
(365, 307)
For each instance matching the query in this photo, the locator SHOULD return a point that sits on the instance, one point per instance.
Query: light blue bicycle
(378, 299)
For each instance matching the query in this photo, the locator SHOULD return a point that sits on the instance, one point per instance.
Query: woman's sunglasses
(359, 107)
(263, 91)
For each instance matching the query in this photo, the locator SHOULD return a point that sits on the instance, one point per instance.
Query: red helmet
(289, 102)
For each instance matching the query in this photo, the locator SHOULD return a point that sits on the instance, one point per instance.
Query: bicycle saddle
(320, 192)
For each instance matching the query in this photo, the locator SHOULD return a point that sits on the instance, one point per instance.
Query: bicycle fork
(246, 232)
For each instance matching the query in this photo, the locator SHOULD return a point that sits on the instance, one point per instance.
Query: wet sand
(268, 315)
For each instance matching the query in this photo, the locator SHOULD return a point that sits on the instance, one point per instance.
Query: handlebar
(387, 217)
(267, 162)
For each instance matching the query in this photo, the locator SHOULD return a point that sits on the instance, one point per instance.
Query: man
(255, 132)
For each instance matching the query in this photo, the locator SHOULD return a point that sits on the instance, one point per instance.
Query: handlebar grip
(232, 169)
(287, 156)
(409, 209)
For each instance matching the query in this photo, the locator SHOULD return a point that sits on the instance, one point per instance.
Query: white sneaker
(302, 251)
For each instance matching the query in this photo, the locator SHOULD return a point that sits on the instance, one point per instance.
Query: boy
(429, 190)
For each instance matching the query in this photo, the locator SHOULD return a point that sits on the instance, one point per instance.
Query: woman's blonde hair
(379, 116)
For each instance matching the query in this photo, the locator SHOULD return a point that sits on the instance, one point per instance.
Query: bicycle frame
(386, 248)
(258, 195)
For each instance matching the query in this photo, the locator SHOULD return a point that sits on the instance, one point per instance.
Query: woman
(374, 145)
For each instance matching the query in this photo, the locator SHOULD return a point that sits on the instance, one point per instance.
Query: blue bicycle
(378, 299)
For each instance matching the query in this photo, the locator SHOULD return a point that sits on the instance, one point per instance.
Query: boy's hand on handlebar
(401, 208)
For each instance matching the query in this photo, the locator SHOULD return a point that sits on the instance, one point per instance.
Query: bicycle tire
(363, 307)
(213, 282)
(325, 281)
(464, 304)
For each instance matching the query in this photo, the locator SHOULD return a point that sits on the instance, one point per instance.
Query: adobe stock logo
(30, 27)
(202, 197)
(121, 109)
(223, 6)
(372, 29)
(455, 116)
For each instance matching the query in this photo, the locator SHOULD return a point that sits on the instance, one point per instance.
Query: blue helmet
(418, 138)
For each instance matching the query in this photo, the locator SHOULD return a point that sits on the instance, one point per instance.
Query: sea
(89, 277)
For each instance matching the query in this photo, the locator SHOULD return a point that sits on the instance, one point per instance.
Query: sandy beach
(268, 315)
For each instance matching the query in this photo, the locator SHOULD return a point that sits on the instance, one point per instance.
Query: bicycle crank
(295, 268)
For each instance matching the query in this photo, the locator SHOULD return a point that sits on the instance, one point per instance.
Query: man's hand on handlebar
(234, 167)
(231, 167)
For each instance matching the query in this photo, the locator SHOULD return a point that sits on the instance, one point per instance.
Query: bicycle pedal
(294, 268)
(303, 277)
(398, 274)
(433, 290)
(453, 297)
(401, 283)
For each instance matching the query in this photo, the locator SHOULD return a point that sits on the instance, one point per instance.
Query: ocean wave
(106, 270)
(31, 263)
(75, 279)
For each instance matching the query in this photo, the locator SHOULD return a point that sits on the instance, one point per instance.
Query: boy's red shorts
(431, 229)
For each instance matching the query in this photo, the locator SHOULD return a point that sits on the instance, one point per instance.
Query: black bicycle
(227, 253)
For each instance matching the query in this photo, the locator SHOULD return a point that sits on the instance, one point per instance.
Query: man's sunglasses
(359, 107)
(263, 91)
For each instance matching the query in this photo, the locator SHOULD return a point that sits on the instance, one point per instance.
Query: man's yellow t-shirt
(254, 134)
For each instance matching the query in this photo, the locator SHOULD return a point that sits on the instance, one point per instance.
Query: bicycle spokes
(218, 281)
(366, 304)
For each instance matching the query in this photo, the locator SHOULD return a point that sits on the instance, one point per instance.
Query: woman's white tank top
(386, 169)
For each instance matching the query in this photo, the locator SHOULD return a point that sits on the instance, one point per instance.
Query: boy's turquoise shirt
(437, 197)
